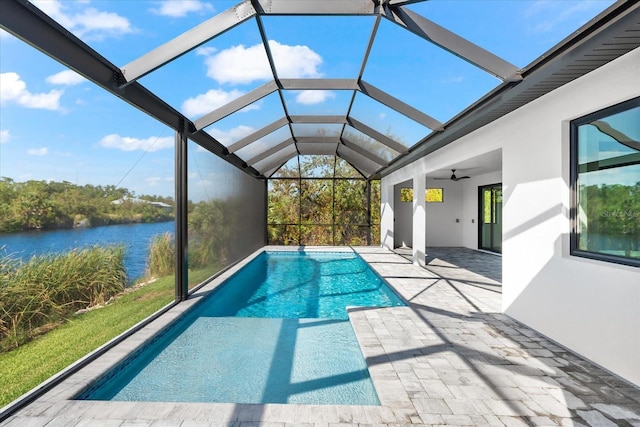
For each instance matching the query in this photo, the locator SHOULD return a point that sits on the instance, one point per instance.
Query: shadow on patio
(459, 361)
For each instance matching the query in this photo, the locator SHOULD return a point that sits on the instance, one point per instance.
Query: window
(431, 195)
(434, 195)
(605, 180)
(406, 194)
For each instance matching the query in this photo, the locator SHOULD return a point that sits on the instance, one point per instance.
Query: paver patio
(448, 358)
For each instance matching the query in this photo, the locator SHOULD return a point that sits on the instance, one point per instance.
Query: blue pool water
(302, 285)
(277, 331)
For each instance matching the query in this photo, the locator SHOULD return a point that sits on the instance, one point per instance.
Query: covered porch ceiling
(283, 112)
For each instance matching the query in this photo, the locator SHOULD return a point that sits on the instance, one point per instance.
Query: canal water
(134, 237)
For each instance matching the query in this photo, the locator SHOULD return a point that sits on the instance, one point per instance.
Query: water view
(134, 237)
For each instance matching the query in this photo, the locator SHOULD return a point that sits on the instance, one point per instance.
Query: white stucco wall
(591, 307)
(442, 228)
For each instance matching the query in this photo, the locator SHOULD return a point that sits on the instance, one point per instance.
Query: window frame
(574, 236)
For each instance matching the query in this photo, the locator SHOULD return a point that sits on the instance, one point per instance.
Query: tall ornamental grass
(42, 292)
(161, 255)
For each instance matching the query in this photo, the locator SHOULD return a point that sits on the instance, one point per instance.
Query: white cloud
(547, 15)
(180, 8)
(206, 50)
(295, 61)
(153, 181)
(243, 65)
(89, 22)
(309, 97)
(92, 20)
(207, 102)
(14, 89)
(125, 143)
(4, 136)
(66, 77)
(231, 135)
(239, 65)
(42, 151)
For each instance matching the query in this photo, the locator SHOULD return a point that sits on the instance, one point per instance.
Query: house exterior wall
(442, 228)
(589, 306)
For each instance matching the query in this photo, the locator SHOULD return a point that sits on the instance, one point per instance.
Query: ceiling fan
(454, 177)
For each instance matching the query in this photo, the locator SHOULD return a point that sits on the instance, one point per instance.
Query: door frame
(491, 248)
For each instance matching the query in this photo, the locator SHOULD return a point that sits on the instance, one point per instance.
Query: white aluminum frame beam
(188, 41)
(455, 44)
(367, 52)
(324, 7)
(282, 122)
(403, 2)
(401, 107)
(384, 139)
(364, 152)
(278, 160)
(364, 165)
(259, 157)
(260, 133)
(318, 119)
(326, 139)
(319, 84)
(324, 148)
(236, 105)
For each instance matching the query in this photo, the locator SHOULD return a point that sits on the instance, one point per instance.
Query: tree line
(49, 205)
(324, 201)
(611, 216)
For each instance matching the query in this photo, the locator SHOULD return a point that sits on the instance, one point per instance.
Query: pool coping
(60, 402)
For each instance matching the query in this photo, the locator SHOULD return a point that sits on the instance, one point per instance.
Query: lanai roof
(292, 121)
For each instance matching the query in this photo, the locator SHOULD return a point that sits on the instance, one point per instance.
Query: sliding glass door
(490, 218)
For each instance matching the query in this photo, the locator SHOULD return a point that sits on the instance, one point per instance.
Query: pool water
(302, 285)
(277, 331)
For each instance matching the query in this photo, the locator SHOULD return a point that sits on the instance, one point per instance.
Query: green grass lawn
(30, 364)
(34, 362)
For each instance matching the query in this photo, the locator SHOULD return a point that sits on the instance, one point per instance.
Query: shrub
(161, 255)
(48, 288)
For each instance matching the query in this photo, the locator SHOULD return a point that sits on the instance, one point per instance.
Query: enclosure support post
(181, 240)
(419, 219)
(368, 190)
(266, 211)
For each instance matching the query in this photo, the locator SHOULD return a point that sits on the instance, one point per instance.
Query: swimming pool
(277, 331)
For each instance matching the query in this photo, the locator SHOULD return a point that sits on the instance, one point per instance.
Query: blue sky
(55, 125)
